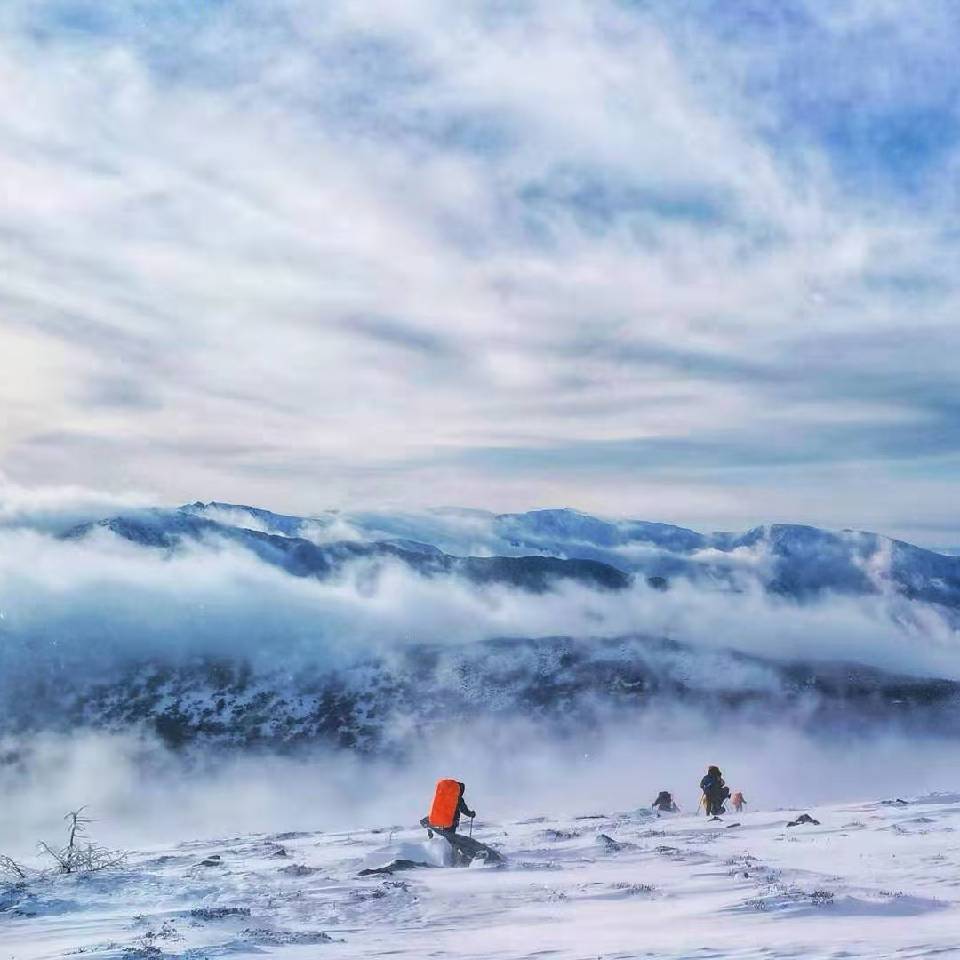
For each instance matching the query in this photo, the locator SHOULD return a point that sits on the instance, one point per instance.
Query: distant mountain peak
(788, 559)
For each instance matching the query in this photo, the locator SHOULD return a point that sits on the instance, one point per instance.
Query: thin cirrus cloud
(688, 261)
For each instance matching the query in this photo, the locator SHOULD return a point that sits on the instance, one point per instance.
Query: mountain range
(565, 620)
(530, 550)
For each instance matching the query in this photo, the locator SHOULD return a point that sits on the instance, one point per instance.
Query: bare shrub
(79, 855)
(10, 868)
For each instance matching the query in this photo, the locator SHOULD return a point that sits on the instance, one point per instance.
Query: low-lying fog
(140, 793)
(85, 605)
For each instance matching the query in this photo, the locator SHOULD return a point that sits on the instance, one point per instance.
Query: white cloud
(59, 508)
(141, 794)
(93, 605)
(358, 247)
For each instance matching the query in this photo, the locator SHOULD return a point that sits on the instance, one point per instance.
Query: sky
(684, 260)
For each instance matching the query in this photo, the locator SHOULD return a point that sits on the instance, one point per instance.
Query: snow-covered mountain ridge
(300, 556)
(788, 559)
(560, 685)
(234, 625)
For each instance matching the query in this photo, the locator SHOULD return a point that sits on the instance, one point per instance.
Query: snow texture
(871, 880)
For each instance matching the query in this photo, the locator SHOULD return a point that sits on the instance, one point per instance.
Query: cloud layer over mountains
(159, 613)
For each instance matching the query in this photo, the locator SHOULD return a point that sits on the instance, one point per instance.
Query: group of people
(715, 794)
(449, 806)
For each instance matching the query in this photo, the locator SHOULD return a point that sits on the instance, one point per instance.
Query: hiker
(444, 818)
(448, 806)
(715, 791)
(665, 803)
(739, 801)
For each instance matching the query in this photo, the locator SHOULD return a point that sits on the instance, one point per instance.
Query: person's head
(463, 787)
(713, 771)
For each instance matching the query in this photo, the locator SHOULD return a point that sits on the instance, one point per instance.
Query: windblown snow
(871, 880)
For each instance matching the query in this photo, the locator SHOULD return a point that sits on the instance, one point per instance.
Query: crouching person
(665, 803)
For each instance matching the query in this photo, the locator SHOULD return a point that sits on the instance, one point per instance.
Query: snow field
(878, 879)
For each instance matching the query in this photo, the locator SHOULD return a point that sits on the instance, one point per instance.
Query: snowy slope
(873, 880)
(561, 684)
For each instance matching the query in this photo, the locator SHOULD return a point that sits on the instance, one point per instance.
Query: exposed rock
(219, 913)
(392, 867)
(803, 818)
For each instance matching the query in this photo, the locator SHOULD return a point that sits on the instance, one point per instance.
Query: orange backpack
(445, 803)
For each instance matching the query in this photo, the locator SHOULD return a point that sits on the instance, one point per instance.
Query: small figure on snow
(715, 791)
(739, 801)
(665, 803)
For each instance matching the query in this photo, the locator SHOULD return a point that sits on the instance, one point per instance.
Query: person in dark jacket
(715, 791)
(463, 809)
(665, 803)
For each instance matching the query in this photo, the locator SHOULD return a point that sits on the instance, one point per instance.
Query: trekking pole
(471, 828)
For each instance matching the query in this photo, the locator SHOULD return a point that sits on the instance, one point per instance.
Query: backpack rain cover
(446, 799)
